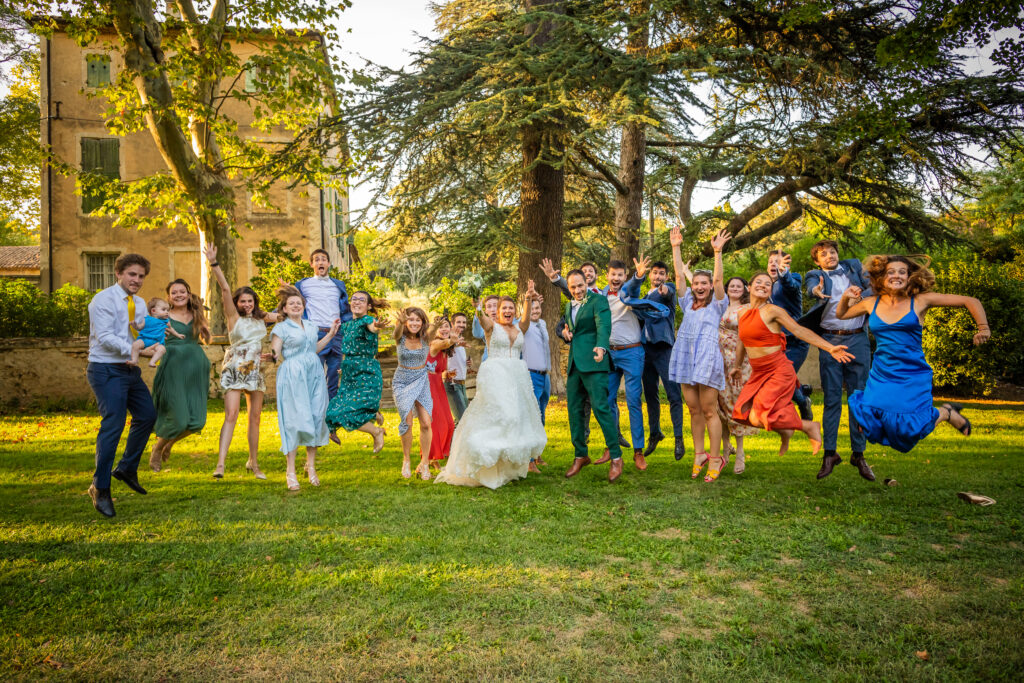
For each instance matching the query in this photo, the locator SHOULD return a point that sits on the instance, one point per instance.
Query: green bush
(25, 311)
(960, 366)
(276, 261)
(449, 298)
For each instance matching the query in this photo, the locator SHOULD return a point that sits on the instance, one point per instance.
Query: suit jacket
(786, 294)
(591, 329)
(853, 269)
(661, 330)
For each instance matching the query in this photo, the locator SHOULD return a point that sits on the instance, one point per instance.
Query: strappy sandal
(698, 464)
(965, 428)
(292, 481)
(311, 473)
(406, 470)
(713, 474)
(975, 499)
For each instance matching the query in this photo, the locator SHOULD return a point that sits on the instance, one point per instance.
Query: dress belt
(418, 367)
(623, 347)
(844, 333)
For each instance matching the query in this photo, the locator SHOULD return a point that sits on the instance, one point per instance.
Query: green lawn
(767, 575)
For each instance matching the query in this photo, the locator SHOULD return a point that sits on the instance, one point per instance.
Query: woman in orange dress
(442, 345)
(766, 400)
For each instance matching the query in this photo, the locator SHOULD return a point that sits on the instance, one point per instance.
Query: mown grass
(764, 576)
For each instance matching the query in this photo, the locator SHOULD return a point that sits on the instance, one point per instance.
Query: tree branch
(604, 171)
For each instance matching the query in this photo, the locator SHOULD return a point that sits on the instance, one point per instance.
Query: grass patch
(767, 575)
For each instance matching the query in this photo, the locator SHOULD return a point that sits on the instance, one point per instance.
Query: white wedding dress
(501, 429)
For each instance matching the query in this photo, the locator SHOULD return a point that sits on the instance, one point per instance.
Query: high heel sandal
(406, 470)
(741, 463)
(218, 473)
(713, 474)
(256, 471)
(311, 473)
(424, 472)
(292, 481)
(698, 464)
(378, 440)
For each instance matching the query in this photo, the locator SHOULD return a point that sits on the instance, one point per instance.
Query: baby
(151, 333)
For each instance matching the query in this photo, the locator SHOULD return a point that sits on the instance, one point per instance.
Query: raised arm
(717, 244)
(683, 275)
(777, 314)
(977, 311)
(531, 296)
(851, 304)
(484, 320)
(230, 312)
(553, 275)
(400, 318)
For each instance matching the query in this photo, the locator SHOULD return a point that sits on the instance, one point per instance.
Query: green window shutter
(101, 155)
(251, 77)
(97, 70)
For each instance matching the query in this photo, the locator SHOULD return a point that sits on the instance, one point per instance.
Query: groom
(588, 325)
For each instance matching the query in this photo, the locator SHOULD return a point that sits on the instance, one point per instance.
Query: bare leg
(293, 481)
(426, 433)
(692, 397)
(232, 399)
(254, 408)
(713, 424)
(786, 435)
(162, 450)
(158, 352)
(137, 347)
(741, 457)
(407, 446)
(311, 465)
(813, 432)
(376, 432)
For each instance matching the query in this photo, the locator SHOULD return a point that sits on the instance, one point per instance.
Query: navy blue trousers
(119, 390)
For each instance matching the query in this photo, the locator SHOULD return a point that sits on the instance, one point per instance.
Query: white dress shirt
(829, 321)
(323, 301)
(110, 338)
(457, 363)
(625, 326)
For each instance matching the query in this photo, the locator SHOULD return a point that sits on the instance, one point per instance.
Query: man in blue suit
(787, 295)
(626, 344)
(326, 301)
(827, 284)
(658, 337)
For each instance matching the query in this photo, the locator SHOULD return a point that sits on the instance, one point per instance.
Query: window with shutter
(99, 271)
(97, 70)
(99, 155)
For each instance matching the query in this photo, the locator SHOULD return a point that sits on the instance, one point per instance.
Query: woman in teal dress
(301, 389)
(182, 382)
(895, 409)
(356, 406)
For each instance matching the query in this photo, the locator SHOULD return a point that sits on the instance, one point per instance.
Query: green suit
(590, 330)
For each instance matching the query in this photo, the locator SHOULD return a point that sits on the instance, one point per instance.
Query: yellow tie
(131, 316)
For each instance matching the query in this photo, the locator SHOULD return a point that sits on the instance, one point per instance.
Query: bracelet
(214, 264)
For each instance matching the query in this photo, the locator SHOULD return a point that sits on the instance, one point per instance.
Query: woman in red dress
(442, 345)
(766, 400)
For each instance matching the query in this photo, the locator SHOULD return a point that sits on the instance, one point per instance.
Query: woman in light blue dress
(896, 408)
(696, 361)
(301, 386)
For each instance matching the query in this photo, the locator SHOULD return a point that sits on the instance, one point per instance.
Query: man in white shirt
(458, 366)
(117, 382)
(326, 301)
(828, 284)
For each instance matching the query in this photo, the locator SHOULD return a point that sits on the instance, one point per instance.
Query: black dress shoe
(807, 389)
(804, 407)
(828, 463)
(653, 443)
(129, 478)
(101, 501)
(858, 461)
(680, 449)
(622, 441)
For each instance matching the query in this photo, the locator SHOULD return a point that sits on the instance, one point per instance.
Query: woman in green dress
(182, 382)
(356, 406)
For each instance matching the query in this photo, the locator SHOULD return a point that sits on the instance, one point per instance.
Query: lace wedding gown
(501, 429)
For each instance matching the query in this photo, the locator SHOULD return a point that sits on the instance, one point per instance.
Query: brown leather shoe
(577, 465)
(604, 458)
(638, 458)
(615, 471)
(862, 466)
(828, 463)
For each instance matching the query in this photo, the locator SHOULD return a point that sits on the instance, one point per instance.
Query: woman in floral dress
(728, 341)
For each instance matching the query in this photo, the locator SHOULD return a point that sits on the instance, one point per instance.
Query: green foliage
(449, 298)
(277, 261)
(25, 311)
(20, 154)
(958, 364)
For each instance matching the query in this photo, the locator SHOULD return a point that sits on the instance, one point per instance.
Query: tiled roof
(19, 257)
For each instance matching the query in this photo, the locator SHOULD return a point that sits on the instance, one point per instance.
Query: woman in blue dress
(696, 361)
(301, 387)
(895, 409)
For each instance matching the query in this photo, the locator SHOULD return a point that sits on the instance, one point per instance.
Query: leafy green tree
(20, 154)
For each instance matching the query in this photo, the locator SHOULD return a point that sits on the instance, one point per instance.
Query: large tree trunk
(193, 157)
(542, 197)
(633, 150)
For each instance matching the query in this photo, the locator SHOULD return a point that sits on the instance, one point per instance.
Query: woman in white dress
(501, 430)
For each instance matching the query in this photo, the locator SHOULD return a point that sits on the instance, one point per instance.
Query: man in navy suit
(658, 337)
(827, 284)
(787, 295)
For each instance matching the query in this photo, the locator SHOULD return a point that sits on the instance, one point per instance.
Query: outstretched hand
(549, 269)
(819, 289)
(642, 265)
(719, 240)
(675, 238)
(841, 354)
(852, 293)
(211, 253)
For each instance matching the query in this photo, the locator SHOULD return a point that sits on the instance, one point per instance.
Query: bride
(501, 431)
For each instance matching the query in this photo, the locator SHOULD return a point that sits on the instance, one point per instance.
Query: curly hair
(920, 278)
(200, 325)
